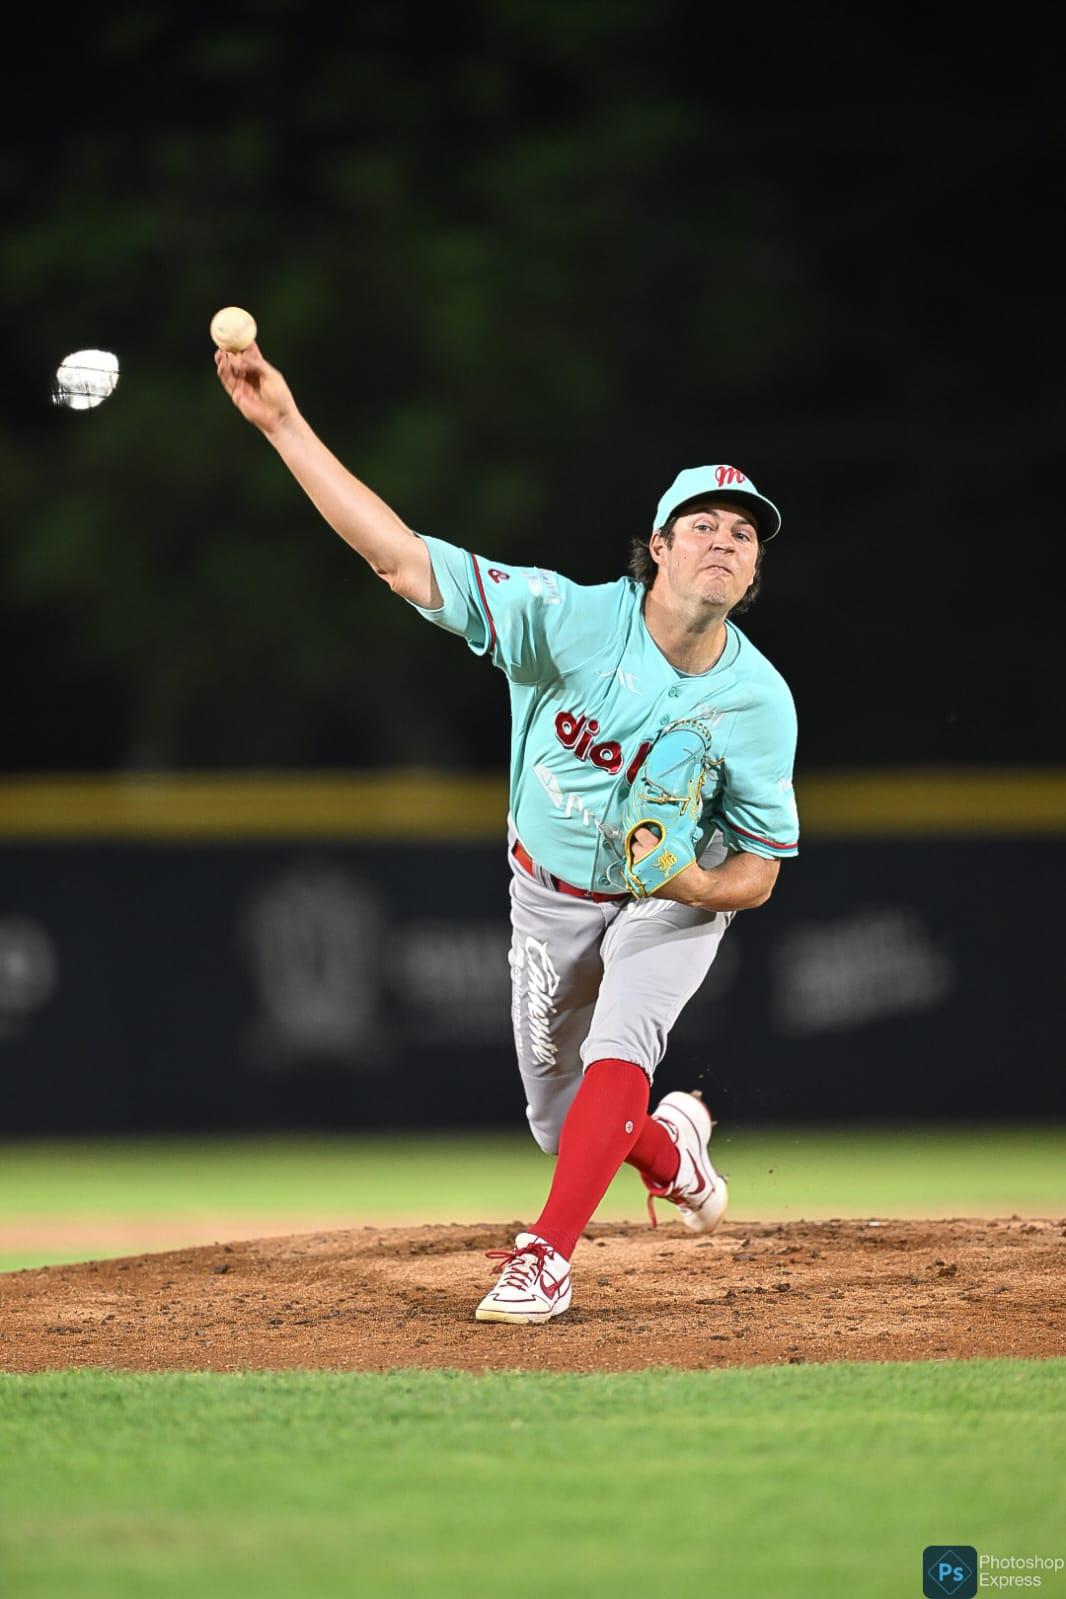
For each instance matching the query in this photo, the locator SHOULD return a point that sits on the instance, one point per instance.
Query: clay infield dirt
(370, 1299)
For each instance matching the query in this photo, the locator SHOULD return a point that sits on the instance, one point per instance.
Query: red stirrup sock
(598, 1133)
(655, 1155)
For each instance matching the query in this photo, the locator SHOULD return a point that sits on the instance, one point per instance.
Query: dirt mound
(371, 1299)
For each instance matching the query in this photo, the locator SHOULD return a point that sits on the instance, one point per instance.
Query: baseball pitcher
(650, 800)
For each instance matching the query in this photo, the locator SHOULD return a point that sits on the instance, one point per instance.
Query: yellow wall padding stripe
(425, 805)
(971, 802)
(260, 805)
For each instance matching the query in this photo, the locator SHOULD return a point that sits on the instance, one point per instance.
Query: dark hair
(644, 569)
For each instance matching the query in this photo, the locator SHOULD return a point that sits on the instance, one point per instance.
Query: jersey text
(578, 734)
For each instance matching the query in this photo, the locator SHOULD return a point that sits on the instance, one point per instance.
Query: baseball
(233, 329)
(85, 379)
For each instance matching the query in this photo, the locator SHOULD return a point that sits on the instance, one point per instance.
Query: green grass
(795, 1481)
(252, 1182)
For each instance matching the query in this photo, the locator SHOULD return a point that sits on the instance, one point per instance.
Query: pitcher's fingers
(645, 839)
(246, 367)
(225, 373)
(252, 358)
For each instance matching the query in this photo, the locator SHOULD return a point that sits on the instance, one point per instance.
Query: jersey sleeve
(533, 623)
(460, 611)
(756, 806)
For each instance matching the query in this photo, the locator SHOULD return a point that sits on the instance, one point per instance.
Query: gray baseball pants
(597, 981)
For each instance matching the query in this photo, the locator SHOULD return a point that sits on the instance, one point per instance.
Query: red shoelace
(671, 1194)
(653, 1195)
(515, 1270)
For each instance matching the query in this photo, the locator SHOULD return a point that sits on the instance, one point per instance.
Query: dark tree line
(520, 262)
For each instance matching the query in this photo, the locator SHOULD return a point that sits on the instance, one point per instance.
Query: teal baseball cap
(723, 482)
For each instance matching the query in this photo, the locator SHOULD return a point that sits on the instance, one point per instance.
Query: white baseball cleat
(534, 1283)
(698, 1191)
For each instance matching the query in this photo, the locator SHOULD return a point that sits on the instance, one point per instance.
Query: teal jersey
(591, 691)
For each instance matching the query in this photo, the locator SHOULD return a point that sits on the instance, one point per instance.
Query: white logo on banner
(28, 968)
(314, 935)
(830, 976)
(452, 977)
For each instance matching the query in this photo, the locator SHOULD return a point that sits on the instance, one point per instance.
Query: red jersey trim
(484, 603)
(772, 843)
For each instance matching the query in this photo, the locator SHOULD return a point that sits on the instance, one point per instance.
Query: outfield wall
(220, 952)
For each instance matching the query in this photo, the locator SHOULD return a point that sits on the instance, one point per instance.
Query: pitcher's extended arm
(362, 519)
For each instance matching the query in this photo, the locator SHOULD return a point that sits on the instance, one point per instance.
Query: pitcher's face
(712, 554)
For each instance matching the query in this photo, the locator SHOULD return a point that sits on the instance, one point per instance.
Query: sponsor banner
(156, 987)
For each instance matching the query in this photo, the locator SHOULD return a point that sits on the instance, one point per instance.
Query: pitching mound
(371, 1299)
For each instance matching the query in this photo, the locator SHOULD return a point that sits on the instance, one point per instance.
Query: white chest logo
(626, 679)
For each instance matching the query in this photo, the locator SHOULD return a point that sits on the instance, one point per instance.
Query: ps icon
(949, 1569)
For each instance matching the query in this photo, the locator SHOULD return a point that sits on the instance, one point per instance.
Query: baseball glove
(667, 796)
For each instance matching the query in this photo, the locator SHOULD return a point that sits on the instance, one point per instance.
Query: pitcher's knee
(545, 1134)
(645, 1045)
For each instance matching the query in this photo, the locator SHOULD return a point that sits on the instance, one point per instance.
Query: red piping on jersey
(485, 603)
(774, 843)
